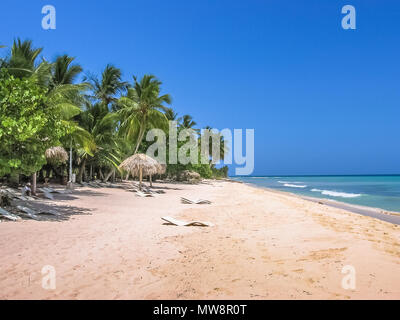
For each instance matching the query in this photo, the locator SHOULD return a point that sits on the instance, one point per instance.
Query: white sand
(265, 245)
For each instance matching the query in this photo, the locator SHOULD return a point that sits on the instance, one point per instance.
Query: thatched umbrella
(56, 155)
(53, 155)
(162, 168)
(140, 164)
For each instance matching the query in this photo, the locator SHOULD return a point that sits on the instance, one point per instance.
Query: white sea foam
(337, 194)
(294, 185)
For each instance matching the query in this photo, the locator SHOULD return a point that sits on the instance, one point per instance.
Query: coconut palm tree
(102, 125)
(142, 108)
(171, 114)
(22, 62)
(110, 84)
(64, 72)
(62, 94)
(187, 122)
(223, 149)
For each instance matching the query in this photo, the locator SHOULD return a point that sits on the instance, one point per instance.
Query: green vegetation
(28, 125)
(100, 121)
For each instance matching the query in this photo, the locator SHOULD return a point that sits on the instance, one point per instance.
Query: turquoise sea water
(373, 191)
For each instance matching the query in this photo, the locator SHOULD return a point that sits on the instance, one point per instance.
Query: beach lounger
(51, 212)
(199, 201)
(202, 201)
(93, 185)
(50, 190)
(8, 215)
(29, 212)
(157, 191)
(186, 201)
(14, 194)
(144, 195)
(181, 223)
(48, 195)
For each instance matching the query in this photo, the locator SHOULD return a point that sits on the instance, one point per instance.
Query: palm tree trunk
(108, 176)
(70, 163)
(151, 182)
(34, 184)
(81, 170)
(140, 178)
(140, 138)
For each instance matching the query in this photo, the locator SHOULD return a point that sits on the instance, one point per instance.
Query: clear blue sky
(322, 100)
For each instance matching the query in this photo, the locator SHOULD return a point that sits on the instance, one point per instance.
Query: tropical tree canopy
(143, 108)
(27, 125)
(46, 111)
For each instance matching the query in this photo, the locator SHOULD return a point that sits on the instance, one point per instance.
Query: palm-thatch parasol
(162, 168)
(140, 164)
(56, 155)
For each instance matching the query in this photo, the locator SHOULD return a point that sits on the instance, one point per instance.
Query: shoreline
(378, 213)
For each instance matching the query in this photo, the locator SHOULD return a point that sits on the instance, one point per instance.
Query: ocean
(372, 191)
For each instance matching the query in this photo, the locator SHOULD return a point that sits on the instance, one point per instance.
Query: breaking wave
(294, 185)
(337, 194)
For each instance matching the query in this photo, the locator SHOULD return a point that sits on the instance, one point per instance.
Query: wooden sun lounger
(50, 190)
(199, 201)
(51, 212)
(8, 215)
(93, 185)
(14, 194)
(202, 201)
(144, 195)
(186, 201)
(181, 223)
(29, 212)
(48, 195)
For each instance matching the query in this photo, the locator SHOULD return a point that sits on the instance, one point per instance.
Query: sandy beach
(264, 245)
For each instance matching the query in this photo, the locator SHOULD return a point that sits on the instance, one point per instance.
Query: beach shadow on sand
(52, 212)
(164, 188)
(72, 196)
(64, 212)
(47, 210)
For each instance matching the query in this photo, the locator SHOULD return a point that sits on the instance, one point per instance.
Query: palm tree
(143, 108)
(109, 85)
(63, 72)
(62, 94)
(223, 149)
(187, 122)
(2, 61)
(102, 125)
(22, 62)
(171, 114)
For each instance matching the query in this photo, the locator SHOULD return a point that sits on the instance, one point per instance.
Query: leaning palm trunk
(140, 138)
(108, 176)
